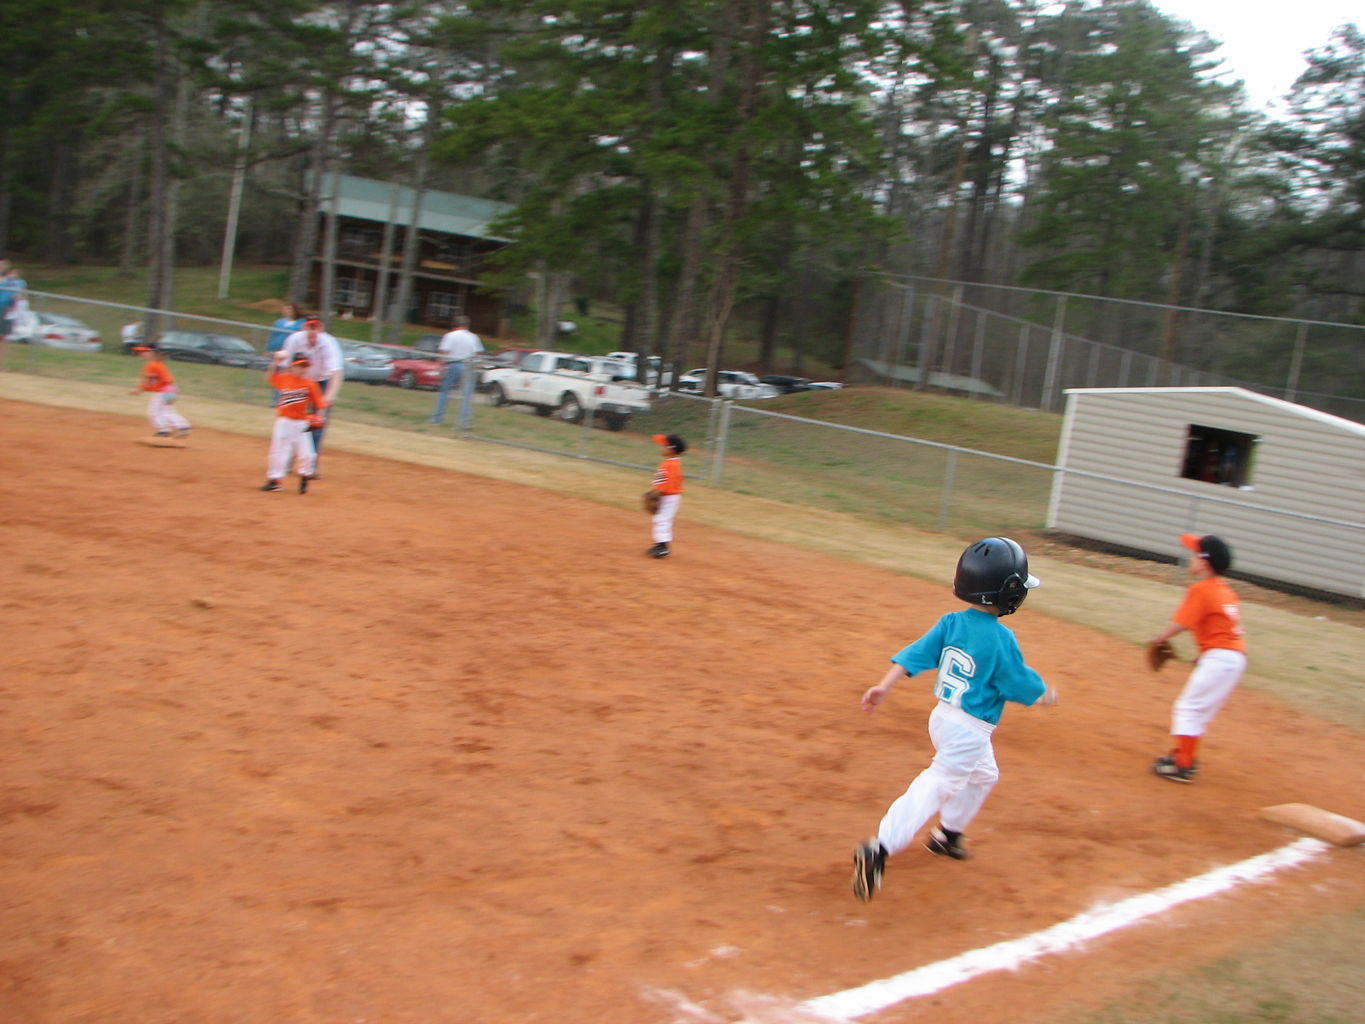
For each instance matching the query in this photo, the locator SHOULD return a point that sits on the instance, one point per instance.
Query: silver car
(53, 330)
(364, 362)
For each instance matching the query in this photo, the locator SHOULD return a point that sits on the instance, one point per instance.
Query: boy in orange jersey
(668, 485)
(157, 381)
(298, 407)
(1209, 611)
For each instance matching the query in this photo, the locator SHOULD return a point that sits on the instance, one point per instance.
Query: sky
(1263, 42)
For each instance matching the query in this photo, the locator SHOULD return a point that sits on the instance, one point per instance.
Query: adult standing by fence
(12, 303)
(456, 346)
(324, 367)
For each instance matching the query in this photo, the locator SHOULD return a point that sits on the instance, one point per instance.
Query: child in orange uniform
(1210, 611)
(161, 391)
(298, 407)
(668, 485)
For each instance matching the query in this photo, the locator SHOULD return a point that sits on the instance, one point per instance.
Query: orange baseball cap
(672, 440)
(143, 348)
(312, 321)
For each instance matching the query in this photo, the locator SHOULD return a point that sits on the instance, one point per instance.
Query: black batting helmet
(994, 572)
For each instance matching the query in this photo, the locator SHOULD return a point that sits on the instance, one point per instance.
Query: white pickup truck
(566, 385)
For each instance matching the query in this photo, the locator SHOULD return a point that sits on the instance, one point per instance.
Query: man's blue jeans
(450, 380)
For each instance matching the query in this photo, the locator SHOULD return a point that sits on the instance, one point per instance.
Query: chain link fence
(1025, 347)
(735, 445)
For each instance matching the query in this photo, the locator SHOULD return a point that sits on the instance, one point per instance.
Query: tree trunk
(158, 246)
(411, 246)
(380, 307)
(129, 251)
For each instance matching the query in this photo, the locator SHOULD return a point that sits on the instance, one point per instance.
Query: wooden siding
(1305, 463)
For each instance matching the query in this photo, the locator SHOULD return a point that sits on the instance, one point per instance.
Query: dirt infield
(423, 747)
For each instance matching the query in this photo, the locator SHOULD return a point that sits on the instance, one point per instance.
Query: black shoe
(270, 485)
(658, 551)
(1166, 768)
(940, 843)
(869, 860)
(162, 433)
(303, 484)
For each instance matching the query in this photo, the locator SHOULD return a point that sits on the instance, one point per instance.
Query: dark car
(208, 347)
(785, 384)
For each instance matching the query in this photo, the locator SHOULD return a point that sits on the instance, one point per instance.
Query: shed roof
(1325, 418)
(446, 212)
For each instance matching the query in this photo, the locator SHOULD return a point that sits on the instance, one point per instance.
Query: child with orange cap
(159, 384)
(1209, 611)
(298, 409)
(667, 485)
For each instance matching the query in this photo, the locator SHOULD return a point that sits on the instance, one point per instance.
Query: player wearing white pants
(955, 784)
(159, 384)
(667, 487)
(978, 667)
(299, 404)
(290, 440)
(1211, 612)
(662, 526)
(1216, 674)
(162, 414)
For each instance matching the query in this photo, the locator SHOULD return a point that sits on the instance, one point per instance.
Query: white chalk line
(1012, 954)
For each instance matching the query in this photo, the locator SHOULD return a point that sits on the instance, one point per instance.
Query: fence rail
(1026, 346)
(737, 446)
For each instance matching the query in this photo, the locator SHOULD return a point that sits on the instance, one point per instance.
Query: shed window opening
(1217, 456)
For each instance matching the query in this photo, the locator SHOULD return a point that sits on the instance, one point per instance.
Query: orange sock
(1185, 746)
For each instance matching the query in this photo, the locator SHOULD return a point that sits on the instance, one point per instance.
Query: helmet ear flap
(1012, 594)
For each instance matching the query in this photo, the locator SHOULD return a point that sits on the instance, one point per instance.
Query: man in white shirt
(131, 334)
(324, 366)
(456, 346)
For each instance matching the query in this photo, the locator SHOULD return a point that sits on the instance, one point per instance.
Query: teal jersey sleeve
(978, 662)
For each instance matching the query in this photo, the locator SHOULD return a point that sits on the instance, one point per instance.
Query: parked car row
(53, 330)
(372, 364)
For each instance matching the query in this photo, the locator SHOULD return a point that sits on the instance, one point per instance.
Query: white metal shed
(1284, 485)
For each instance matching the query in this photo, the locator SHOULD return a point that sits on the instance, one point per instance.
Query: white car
(729, 384)
(53, 330)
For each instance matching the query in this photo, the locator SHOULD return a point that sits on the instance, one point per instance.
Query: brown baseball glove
(651, 501)
(1159, 654)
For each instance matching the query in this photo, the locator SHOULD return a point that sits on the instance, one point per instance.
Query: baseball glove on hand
(651, 501)
(1159, 654)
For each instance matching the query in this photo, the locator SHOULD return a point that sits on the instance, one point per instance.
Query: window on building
(450, 250)
(357, 236)
(351, 292)
(442, 306)
(1218, 456)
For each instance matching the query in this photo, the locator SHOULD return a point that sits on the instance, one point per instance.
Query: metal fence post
(1296, 363)
(1054, 357)
(722, 437)
(926, 346)
(979, 350)
(949, 472)
(1020, 366)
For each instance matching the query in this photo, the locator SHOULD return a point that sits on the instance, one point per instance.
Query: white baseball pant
(161, 411)
(290, 438)
(954, 786)
(663, 518)
(1215, 675)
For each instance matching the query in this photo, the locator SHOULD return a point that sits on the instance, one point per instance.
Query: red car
(416, 372)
